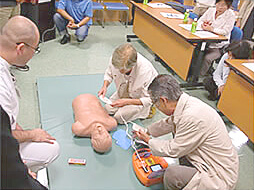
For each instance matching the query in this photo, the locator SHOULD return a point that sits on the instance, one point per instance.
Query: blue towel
(121, 139)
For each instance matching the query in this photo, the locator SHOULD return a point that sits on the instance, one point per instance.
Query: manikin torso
(91, 120)
(89, 114)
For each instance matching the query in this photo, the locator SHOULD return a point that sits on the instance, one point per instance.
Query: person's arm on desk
(35, 135)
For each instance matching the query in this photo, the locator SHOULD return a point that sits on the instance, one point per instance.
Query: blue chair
(118, 7)
(99, 7)
(236, 34)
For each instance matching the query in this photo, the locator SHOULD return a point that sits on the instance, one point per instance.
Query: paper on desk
(249, 66)
(172, 15)
(188, 27)
(205, 34)
(158, 5)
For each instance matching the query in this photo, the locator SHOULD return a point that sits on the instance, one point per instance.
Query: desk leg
(198, 63)
(196, 67)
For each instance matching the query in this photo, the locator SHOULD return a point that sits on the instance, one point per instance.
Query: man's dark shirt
(14, 174)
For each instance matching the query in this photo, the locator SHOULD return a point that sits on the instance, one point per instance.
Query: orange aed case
(151, 169)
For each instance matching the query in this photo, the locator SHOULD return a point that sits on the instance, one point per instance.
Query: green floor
(92, 57)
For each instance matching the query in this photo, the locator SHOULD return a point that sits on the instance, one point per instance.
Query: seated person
(215, 84)
(91, 120)
(219, 20)
(207, 157)
(14, 173)
(76, 15)
(132, 74)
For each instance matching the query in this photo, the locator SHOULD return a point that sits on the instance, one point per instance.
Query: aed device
(149, 169)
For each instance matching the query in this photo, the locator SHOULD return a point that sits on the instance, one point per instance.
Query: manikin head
(100, 138)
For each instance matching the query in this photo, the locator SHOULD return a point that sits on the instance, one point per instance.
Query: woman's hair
(240, 50)
(124, 56)
(228, 2)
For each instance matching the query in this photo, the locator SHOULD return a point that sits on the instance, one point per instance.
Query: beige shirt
(138, 81)
(222, 25)
(201, 136)
(245, 11)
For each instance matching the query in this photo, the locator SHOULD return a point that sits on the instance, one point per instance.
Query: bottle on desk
(186, 16)
(145, 2)
(194, 25)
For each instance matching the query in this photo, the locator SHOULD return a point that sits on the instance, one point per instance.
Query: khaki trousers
(129, 112)
(7, 12)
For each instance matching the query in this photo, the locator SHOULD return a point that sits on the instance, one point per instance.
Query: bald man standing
(19, 39)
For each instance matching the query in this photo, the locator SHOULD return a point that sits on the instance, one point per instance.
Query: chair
(236, 34)
(179, 6)
(99, 7)
(118, 7)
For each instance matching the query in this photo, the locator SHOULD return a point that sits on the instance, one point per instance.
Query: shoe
(78, 40)
(65, 39)
(152, 112)
(130, 23)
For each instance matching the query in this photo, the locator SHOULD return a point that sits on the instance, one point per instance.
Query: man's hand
(72, 25)
(120, 103)
(32, 174)
(220, 89)
(39, 135)
(102, 91)
(142, 135)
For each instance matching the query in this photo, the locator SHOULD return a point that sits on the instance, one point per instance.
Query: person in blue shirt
(76, 15)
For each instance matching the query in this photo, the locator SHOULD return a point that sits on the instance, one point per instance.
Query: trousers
(38, 155)
(178, 176)
(61, 24)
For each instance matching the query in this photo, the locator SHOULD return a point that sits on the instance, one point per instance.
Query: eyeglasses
(36, 50)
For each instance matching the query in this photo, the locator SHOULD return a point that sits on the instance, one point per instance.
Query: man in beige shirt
(200, 136)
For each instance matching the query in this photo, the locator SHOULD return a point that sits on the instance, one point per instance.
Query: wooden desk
(172, 43)
(236, 101)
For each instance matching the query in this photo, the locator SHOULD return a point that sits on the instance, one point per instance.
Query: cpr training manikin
(91, 120)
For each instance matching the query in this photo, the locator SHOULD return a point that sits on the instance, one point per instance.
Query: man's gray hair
(164, 86)
(124, 56)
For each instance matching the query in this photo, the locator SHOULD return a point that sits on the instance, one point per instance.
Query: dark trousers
(211, 87)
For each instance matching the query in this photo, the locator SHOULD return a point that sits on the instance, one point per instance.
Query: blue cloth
(121, 139)
(77, 9)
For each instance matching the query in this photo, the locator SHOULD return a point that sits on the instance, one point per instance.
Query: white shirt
(8, 94)
(222, 25)
(221, 73)
(139, 79)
